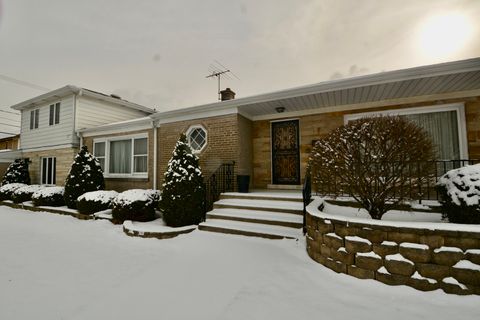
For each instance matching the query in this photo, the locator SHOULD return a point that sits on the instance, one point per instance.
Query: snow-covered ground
(58, 267)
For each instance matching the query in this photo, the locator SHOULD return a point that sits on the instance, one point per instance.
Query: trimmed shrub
(183, 193)
(7, 190)
(49, 196)
(85, 175)
(17, 172)
(135, 205)
(376, 160)
(95, 201)
(25, 193)
(459, 191)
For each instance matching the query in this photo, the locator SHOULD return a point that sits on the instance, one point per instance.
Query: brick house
(8, 152)
(267, 136)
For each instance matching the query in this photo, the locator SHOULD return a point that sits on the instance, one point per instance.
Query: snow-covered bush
(95, 201)
(17, 172)
(376, 160)
(25, 193)
(459, 191)
(135, 205)
(49, 196)
(183, 193)
(85, 175)
(7, 190)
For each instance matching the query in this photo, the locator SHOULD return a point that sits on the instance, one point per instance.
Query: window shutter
(57, 113)
(32, 115)
(50, 119)
(37, 113)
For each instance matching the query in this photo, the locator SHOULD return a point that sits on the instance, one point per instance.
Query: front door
(285, 152)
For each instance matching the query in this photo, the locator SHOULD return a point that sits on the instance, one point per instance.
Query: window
(123, 157)
(54, 114)
(99, 153)
(34, 115)
(49, 170)
(197, 138)
(443, 123)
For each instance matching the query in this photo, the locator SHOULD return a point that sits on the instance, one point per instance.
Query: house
(49, 124)
(269, 136)
(8, 152)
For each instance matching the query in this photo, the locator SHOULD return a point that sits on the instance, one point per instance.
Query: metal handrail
(307, 198)
(221, 180)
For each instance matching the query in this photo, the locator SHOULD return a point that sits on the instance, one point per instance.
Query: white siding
(46, 135)
(92, 113)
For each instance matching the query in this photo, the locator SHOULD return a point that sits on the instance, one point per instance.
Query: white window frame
(132, 174)
(35, 119)
(56, 113)
(104, 155)
(52, 174)
(189, 131)
(458, 107)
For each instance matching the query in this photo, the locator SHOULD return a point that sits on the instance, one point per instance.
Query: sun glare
(444, 35)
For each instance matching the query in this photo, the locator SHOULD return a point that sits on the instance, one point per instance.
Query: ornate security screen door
(285, 152)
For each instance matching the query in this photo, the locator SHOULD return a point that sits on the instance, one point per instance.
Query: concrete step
(264, 195)
(257, 216)
(250, 229)
(292, 207)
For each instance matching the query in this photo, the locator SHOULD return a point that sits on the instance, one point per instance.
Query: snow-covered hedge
(135, 205)
(49, 196)
(25, 193)
(7, 190)
(95, 201)
(459, 190)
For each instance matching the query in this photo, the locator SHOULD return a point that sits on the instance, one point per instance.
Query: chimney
(227, 94)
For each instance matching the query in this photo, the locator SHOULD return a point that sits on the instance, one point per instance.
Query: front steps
(266, 215)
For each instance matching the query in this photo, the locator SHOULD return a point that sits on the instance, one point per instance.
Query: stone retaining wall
(424, 259)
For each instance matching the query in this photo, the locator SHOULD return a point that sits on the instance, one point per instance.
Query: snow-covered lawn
(58, 267)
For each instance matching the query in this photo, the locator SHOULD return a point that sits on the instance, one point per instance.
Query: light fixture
(280, 109)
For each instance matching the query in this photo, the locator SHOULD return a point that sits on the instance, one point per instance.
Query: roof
(456, 76)
(69, 89)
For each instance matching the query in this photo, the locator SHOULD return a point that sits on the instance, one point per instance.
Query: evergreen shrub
(17, 172)
(49, 196)
(183, 193)
(135, 205)
(7, 190)
(25, 193)
(459, 191)
(85, 175)
(95, 201)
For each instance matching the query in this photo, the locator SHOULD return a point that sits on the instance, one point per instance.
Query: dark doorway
(285, 152)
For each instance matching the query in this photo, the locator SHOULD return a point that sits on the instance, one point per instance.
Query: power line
(23, 83)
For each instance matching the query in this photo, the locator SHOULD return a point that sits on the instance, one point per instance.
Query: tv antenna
(218, 70)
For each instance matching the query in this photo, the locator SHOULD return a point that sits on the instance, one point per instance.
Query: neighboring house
(49, 124)
(8, 152)
(269, 136)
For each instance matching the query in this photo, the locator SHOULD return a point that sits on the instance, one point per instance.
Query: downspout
(154, 156)
(79, 135)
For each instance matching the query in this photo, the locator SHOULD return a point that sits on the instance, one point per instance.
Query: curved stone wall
(396, 254)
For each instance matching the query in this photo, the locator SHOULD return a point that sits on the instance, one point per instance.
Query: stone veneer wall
(424, 259)
(313, 127)
(122, 184)
(64, 158)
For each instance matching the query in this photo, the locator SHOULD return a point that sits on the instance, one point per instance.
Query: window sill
(126, 176)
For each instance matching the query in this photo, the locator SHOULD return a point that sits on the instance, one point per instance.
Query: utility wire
(23, 83)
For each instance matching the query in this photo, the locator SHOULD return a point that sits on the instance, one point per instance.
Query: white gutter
(154, 156)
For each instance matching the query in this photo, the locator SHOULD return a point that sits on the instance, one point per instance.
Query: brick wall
(316, 126)
(122, 184)
(64, 158)
(425, 259)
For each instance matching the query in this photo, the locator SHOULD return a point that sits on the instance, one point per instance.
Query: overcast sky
(157, 53)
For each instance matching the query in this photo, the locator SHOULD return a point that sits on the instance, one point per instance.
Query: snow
(338, 214)
(414, 246)
(287, 194)
(11, 187)
(132, 195)
(383, 270)
(451, 280)
(466, 264)
(370, 254)
(358, 239)
(99, 196)
(59, 267)
(418, 276)
(104, 214)
(28, 189)
(48, 192)
(473, 251)
(463, 185)
(447, 249)
(333, 235)
(155, 226)
(267, 204)
(389, 243)
(398, 257)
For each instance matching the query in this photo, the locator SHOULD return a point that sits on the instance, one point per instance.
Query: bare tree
(376, 160)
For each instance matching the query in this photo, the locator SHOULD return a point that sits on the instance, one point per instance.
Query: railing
(412, 189)
(222, 180)
(307, 198)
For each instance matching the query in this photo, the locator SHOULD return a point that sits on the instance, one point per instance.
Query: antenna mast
(217, 69)
(218, 74)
